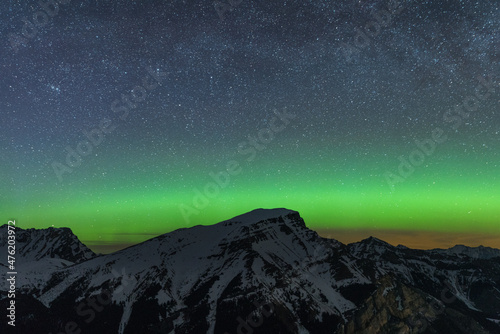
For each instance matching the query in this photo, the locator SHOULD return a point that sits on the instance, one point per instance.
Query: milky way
(124, 120)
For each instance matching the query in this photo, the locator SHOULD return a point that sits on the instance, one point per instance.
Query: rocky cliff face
(52, 243)
(264, 272)
(397, 308)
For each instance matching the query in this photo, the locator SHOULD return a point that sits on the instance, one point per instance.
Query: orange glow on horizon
(414, 239)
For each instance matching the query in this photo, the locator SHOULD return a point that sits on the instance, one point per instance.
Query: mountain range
(261, 272)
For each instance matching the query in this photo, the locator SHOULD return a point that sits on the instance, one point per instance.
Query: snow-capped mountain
(39, 253)
(54, 243)
(480, 252)
(263, 272)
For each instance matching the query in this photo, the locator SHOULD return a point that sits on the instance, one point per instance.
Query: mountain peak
(260, 214)
(374, 241)
(53, 242)
(365, 246)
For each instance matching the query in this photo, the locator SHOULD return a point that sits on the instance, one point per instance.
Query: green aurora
(441, 195)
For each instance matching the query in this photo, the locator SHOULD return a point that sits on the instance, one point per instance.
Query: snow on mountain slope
(465, 277)
(57, 243)
(209, 279)
(256, 249)
(39, 253)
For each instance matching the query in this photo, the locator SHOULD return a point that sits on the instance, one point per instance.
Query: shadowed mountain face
(261, 272)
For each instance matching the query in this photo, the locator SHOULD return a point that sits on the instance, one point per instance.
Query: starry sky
(124, 120)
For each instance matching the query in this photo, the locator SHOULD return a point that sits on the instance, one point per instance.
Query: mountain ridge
(65, 244)
(261, 214)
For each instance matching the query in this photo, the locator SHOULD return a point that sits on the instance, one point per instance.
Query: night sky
(124, 120)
